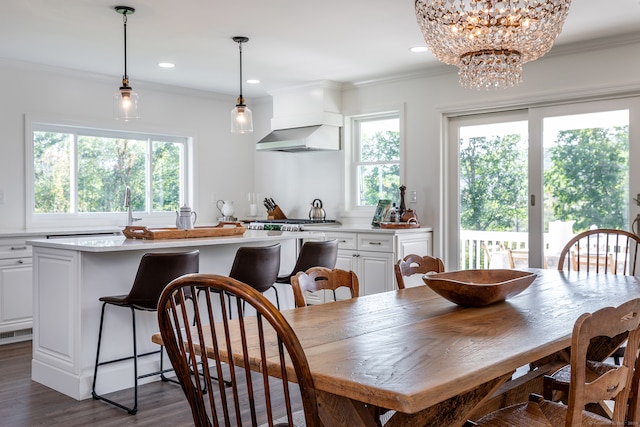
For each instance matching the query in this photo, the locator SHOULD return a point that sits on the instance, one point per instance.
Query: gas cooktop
(297, 221)
(289, 224)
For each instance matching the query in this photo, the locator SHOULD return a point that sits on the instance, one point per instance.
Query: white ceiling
(292, 42)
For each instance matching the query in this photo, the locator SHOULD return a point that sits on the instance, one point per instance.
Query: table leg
(337, 411)
(452, 412)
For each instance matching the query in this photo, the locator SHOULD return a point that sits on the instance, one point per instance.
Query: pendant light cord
(241, 97)
(125, 78)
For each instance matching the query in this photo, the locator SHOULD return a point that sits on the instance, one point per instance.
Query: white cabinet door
(375, 272)
(16, 294)
(419, 244)
(347, 260)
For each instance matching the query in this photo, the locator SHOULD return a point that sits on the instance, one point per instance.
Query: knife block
(276, 214)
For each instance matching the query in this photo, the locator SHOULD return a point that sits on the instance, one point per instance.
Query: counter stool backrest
(314, 254)
(257, 266)
(155, 271)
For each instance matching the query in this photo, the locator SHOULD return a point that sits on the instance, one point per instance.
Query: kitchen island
(71, 274)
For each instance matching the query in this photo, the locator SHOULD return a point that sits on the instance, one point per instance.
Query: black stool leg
(95, 369)
(277, 297)
(133, 410)
(95, 395)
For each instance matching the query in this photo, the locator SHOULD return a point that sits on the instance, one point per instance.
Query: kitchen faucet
(127, 204)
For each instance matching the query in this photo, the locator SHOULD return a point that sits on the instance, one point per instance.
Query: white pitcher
(225, 207)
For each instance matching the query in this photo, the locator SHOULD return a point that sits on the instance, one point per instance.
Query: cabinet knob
(20, 261)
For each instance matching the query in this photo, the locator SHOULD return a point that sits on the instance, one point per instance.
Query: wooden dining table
(434, 362)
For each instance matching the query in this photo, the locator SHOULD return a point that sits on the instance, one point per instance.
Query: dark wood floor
(27, 403)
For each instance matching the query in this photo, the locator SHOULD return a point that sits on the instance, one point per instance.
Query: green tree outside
(104, 168)
(379, 171)
(493, 184)
(587, 180)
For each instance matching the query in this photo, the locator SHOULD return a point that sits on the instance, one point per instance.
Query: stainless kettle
(316, 211)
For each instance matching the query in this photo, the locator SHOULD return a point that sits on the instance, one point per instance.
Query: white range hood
(305, 118)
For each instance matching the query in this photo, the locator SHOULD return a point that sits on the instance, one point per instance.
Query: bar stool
(258, 267)
(314, 254)
(155, 272)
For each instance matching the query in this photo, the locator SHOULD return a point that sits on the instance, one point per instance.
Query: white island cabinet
(70, 275)
(15, 289)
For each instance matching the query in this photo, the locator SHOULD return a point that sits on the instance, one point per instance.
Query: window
(528, 180)
(375, 159)
(79, 174)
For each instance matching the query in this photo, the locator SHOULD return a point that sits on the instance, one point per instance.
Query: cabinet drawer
(14, 249)
(345, 240)
(12, 262)
(375, 242)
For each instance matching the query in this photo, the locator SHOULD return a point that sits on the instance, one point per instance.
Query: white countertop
(362, 228)
(121, 243)
(58, 232)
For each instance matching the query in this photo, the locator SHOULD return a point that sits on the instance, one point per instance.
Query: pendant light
(241, 117)
(125, 100)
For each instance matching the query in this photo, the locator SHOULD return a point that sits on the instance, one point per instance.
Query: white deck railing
(475, 245)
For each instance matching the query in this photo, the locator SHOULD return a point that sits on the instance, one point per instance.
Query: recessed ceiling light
(419, 49)
(166, 65)
(253, 81)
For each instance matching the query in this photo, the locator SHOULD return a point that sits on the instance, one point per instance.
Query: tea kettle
(316, 211)
(186, 218)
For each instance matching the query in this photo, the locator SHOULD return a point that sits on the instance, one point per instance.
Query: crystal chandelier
(489, 40)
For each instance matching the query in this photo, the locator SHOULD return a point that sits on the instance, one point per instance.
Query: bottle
(393, 213)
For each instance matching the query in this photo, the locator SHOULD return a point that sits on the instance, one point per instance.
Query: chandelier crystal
(489, 40)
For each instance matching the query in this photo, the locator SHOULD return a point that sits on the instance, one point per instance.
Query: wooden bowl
(477, 288)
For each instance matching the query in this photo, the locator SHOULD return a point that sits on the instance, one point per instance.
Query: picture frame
(381, 212)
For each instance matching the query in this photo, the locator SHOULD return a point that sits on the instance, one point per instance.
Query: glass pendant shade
(241, 119)
(489, 40)
(125, 104)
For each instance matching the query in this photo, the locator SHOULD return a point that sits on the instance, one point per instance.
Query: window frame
(352, 150)
(53, 123)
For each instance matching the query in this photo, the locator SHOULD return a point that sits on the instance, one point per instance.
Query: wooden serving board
(222, 229)
(399, 225)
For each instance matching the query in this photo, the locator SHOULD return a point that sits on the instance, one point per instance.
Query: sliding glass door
(522, 183)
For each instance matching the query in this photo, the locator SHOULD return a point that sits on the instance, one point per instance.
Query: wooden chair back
(604, 251)
(253, 398)
(321, 278)
(615, 384)
(416, 264)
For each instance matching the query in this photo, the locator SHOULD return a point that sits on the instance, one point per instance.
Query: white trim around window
(351, 208)
(108, 129)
